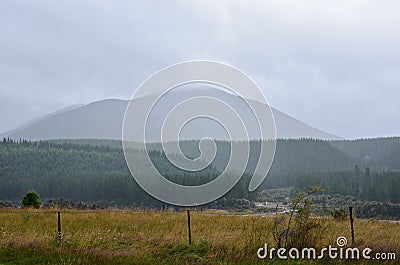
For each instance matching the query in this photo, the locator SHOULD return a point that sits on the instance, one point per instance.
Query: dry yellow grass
(143, 236)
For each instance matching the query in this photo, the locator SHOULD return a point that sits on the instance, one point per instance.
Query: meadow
(152, 237)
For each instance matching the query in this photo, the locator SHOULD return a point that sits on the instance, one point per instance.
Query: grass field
(126, 237)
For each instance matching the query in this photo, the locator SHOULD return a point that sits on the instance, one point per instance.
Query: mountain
(34, 121)
(103, 120)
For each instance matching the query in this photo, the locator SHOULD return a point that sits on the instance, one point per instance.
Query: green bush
(31, 199)
(339, 214)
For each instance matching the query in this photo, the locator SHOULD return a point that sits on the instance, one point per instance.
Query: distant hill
(382, 151)
(103, 120)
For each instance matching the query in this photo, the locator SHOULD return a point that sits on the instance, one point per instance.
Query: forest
(95, 170)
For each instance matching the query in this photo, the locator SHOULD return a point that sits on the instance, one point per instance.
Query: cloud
(333, 64)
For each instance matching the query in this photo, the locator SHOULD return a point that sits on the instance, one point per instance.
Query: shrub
(339, 214)
(31, 199)
(298, 228)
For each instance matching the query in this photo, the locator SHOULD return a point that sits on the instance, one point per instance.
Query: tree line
(87, 172)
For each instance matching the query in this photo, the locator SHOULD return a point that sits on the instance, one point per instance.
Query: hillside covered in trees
(94, 170)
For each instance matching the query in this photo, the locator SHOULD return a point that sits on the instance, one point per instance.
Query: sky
(334, 65)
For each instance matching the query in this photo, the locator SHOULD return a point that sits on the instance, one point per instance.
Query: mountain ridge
(103, 120)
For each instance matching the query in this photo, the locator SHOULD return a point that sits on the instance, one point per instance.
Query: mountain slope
(100, 120)
(103, 120)
(382, 151)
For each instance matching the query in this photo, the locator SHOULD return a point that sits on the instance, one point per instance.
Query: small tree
(31, 199)
(298, 229)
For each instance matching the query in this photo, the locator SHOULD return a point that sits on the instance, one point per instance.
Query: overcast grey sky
(332, 64)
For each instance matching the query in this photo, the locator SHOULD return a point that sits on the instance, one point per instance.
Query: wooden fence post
(351, 225)
(189, 230)
(59, 226)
